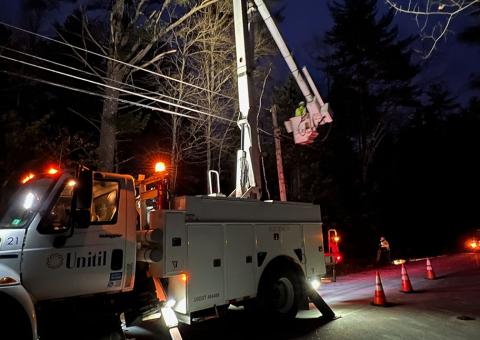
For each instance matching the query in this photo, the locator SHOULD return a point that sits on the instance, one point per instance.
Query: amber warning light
(52, 171)
(27, 178)
(160, 167)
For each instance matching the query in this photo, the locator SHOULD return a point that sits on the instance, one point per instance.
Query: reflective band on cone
(406, 284)
(430, 272)
(379, 297)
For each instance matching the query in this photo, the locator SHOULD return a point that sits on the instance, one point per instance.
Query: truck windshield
(24, 204)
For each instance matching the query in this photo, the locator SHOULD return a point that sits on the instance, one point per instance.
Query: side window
(58, 218)
(105, 202)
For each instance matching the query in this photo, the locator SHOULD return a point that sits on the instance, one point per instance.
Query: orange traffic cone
(379, 298)
(406, 285)
(430, 272)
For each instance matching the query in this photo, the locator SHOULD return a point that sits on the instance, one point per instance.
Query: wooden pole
(278, 155)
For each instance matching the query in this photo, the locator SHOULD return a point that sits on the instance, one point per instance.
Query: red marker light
(52, 171)
(27, 178)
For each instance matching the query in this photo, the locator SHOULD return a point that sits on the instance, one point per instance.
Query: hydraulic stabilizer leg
(321, 305)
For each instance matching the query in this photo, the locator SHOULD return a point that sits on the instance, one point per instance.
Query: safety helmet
(302, 103)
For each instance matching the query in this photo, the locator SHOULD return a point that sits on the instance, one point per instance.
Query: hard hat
(302, 103)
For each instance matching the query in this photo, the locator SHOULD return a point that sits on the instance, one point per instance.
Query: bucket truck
(96, 242)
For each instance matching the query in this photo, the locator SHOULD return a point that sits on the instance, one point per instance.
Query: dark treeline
(400, 159)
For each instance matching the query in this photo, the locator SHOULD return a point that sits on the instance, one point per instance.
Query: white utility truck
(77, 247)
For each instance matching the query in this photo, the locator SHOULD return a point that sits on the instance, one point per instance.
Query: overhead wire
(99, 95)
(114, 88)
(103, 78)
(114, 60)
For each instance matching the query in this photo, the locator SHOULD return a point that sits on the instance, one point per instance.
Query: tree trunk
(108, 127)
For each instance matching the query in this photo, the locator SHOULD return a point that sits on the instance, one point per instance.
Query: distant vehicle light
(474, 244)
(27, 178)
(52, 171)
(160, 167)
(399, 261)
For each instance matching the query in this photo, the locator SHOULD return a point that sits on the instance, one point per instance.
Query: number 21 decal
(11, 241)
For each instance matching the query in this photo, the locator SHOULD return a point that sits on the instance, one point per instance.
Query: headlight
(315, 283)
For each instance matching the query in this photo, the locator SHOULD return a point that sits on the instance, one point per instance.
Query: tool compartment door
(205, 266)
(314, 252)
(239, 261)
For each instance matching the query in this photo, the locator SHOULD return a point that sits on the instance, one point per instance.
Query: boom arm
(248, 179)
(314, 102)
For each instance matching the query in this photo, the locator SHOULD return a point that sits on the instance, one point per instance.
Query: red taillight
(27, 178)
(338, 258)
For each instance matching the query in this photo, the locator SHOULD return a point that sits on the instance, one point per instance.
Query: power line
(114, 88)
(100, 95)
(103, 78)
(113, 59)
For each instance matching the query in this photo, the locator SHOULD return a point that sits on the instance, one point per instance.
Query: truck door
(92, 260)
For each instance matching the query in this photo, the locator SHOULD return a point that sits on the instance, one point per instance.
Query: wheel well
(12, 313)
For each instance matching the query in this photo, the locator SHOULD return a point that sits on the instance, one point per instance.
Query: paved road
(431, 313)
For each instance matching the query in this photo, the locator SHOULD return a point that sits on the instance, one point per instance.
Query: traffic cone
(379, 297)
(406, 285)
(430, 272)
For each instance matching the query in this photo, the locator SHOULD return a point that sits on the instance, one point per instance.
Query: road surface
(446, 308)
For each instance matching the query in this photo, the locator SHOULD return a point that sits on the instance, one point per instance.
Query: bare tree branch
(433, 17)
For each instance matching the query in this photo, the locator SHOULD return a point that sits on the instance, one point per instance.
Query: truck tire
(280, 293)
(14, 322)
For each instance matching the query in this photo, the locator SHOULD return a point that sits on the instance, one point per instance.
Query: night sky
(451, 64)
(304, 20)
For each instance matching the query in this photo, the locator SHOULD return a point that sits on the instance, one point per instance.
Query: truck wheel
(281, 294)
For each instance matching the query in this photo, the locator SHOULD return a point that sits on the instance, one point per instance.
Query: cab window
(58, 218)
(105, 202)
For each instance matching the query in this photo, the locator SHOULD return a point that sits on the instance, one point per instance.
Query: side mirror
(83, 201)
(82, 218)
(84, 190)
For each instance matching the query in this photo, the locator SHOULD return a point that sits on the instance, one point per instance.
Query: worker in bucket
(301, 109)
(383, 252)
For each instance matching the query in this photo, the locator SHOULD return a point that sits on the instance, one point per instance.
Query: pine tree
(371, 73)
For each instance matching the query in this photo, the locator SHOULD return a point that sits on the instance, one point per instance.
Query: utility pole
(278, 155)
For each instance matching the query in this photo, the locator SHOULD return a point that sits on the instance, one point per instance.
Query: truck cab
(48, 253)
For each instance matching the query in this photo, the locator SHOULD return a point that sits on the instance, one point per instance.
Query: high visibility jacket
(300, 111)
(384, 244)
